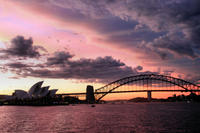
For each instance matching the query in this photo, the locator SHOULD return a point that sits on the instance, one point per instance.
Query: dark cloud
(17, 65)
(132, 39)
(162, 55)
(173, 26)
(62, 66)
(59, 58)
(173, 17)
(139, 68)
(179, 20)
(101, 69)
(109, 25)
(175, 44)
(21, 47)
(17, 68)
(94, 9)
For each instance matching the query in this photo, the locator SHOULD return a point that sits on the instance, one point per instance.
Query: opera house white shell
(21, 94)
(36, 91)
(44, 91)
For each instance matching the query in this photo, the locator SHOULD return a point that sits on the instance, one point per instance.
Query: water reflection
(117, 118)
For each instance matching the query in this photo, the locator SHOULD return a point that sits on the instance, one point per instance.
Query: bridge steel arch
(109, 88)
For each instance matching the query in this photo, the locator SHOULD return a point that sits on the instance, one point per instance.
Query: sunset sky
(72, 43)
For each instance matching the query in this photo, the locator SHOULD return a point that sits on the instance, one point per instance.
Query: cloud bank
(172, 26)
(61, 65)
(21, 47)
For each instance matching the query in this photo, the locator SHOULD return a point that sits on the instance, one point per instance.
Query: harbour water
(103, 118)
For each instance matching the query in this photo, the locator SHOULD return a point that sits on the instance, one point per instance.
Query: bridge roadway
(83, 93)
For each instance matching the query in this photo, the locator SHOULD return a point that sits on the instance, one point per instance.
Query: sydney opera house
(36, 91)
(37, 95)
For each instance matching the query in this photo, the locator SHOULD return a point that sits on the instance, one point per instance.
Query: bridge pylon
(149, 96)
(90, 94)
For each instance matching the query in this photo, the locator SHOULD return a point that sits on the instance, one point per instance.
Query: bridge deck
(83, 93)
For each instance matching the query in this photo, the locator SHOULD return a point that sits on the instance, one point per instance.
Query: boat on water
(93, 105)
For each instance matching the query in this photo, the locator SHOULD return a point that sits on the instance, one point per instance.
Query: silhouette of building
(36, 91)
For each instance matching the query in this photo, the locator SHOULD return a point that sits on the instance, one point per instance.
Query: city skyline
(70, 44)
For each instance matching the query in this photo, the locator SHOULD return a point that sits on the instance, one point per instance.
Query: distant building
(36, 91)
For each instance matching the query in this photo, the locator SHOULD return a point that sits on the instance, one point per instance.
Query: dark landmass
(180, 98)
(191, 97)
(44, 101)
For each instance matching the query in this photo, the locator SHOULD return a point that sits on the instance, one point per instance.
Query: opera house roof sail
(36, 91)
(44, 91)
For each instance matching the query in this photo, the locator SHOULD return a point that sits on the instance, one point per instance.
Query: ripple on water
(104, 118)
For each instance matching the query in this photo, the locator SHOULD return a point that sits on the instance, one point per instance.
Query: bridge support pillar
(149, 95)
(90, 94)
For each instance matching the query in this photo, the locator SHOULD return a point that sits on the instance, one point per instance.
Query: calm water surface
(104, 118)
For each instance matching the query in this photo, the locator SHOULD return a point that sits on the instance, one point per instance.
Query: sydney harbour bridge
(139, 83)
